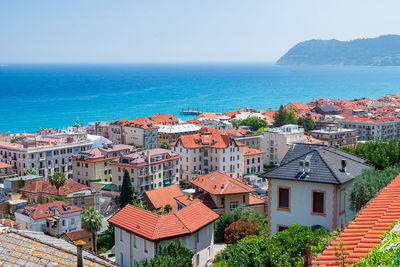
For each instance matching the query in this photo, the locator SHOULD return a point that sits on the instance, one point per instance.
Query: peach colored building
(148, 169)
(92, 165)
(207, 151)
(253, 160)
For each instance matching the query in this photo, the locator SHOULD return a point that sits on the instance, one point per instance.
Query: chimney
(344, 165)
(301, 166)
(79, 245)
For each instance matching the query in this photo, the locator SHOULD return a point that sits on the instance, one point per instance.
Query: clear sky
(181, 31)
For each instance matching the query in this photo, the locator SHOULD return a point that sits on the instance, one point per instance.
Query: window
(72, 221)
(121, 235)
(134, 241)
(244, 199)
(122, 259)
(197, 237)
(284, 198)
(282, 228)
(208, 253)
(248, 161)
(78, 164)
(105, 172)
(233, 205)
(197, 259)
(209, 230)
(318, 202)
(222, 201)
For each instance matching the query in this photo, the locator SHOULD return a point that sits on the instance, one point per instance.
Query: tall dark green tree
(126, 196)
(284, 116)
(307, 123)
(165, 145)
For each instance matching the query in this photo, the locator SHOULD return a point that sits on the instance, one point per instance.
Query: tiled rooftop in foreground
(23, 248)
(365, 231)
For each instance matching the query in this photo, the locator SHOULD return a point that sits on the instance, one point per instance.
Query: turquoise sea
(33, 96)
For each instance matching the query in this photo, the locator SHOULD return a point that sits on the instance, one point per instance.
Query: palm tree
(30, 171)
(91, 222)
(58, 179)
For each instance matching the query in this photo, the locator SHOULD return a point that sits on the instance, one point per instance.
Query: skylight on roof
(212, 178)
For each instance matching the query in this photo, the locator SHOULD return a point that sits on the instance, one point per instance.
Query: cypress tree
(126, 191)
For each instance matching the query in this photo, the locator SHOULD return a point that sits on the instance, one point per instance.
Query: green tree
(254, 123)
(30, 171)
(126, 196)
(58, 180)
(368, 184)
(167, 208)
(165, 145)
(379, 153)
(307, 123)
(284, 116)
(171, 255)
(107, 240)
(91, 222)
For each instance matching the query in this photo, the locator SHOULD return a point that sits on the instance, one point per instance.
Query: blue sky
(181, 31)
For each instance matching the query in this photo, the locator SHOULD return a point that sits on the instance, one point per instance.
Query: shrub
(238, 230)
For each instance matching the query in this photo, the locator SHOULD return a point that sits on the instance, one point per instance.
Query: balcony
(168, 167)
(144, 183)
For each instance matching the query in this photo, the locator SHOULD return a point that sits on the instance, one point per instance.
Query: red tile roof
(256, 200)
(8, 222)
(40, 211)
(206, 137)
(299, 105)
(78, 234)
(153, 227)
(4, 165)
(251, 151)
(217, 183)
(231, 113)
(365, 231)
(189, 199)
(45, 187)
(163, 118)
(163, 196)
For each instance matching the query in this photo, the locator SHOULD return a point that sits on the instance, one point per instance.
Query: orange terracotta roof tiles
(45, 187)
(163, 118)
(78, 234)
(206, 137)
(153, 227)
(231, 113)
(365, 231)
(163, 196)
(218, 183)
(40, 211)
(256, 200)
(4, 165)
(8, 222)
(251, 151)
(299, 105)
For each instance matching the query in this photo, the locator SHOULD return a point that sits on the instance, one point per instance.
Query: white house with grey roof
(311, 187)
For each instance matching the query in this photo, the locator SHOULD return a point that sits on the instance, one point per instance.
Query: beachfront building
(45, 153)
(253, 161)
(171, 133)
(336, 137)
(139, 233)
(148, 169)
(311, 187)
(245, 136)
(63, 216)
(369, 128)
(277, 141)
(223, 194)
(207, 151)
(92, 165)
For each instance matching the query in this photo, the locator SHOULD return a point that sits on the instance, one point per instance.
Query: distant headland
(380, 51)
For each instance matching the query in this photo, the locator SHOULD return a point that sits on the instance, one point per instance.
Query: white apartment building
(277, 141)
(34, 218)
(140, 237)
(370, 128)
(208, 151)
(45, 154)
